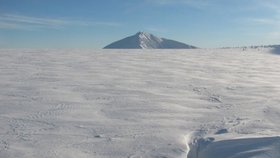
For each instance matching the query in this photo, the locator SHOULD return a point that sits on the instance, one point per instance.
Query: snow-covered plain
(202, 103)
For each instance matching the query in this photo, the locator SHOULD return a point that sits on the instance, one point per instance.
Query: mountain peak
(142, 33)
(143, 40)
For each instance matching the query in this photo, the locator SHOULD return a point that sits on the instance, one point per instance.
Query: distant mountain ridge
(143, 40)
(254, 46)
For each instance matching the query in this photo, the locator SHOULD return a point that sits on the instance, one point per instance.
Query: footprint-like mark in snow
(52, 112)
(3, 145)
(36, 123)
(25, 128)
(207, 94)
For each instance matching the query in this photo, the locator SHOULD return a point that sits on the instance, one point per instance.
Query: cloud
(5, 25)
(274, 35)
(199, 4)
(12, 21)
(269, 13)
(91, 23)
(265, 21)
(273, 5)
(272, 25)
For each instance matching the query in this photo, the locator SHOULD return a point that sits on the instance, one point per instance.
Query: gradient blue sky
(96, 23)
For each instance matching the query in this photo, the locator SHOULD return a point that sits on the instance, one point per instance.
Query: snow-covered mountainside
(143, 40)
(195, 103)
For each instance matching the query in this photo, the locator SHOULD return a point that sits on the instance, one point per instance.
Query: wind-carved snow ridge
(196, 143)
(256, 147)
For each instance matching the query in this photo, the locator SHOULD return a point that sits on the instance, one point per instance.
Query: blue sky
(96, 23)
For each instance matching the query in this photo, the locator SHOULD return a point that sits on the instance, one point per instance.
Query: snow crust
(199, 103)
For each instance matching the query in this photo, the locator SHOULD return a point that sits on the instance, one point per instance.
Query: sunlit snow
(201, 103)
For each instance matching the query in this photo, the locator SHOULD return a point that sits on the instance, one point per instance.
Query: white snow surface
(148, 41)
(201, 103)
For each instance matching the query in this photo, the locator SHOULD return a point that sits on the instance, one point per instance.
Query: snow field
(139, 103)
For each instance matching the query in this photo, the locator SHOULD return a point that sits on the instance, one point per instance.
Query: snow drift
(262, 147)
